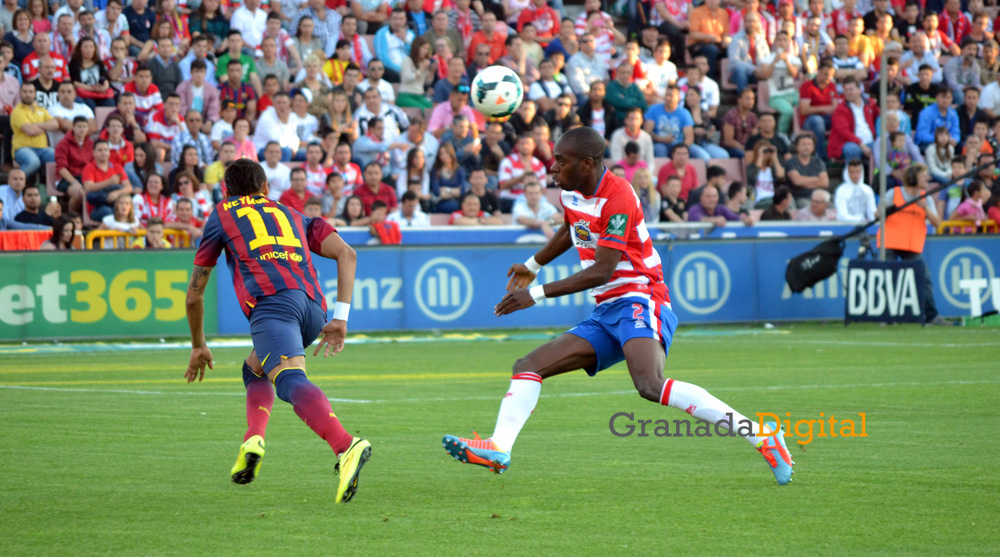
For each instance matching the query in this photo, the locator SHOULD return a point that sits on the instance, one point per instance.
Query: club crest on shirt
(582, 234)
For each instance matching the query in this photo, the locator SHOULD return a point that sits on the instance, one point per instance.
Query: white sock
(702, 405)
(516, 408)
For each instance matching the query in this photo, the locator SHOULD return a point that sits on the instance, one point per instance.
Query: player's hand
(200, 357)
(513, 301)
(333, 337)
(520, 277)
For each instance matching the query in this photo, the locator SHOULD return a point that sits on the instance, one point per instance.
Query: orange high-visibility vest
(906, 230)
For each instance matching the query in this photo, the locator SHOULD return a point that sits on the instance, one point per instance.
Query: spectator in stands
(279, 177)
(489, 36)
(678, 166)
(938, 156)
(72, 155)
(184, 219)
(739, 124)
(584, 69)
(239, 92)
(41, 17)
(737, 201)
(447, 180)
(122, 150)
(672, 207)
(147, 96)
(332, 202)
(546, 91)
(416, 76)
(517, 60)
(817, 102)
(909, 147)
(472, 214)
(66, 110)
(63, 233)
(918, 56)
(702, 127)
(747, 50)
(632, 161)
(392, 44)
(166, 72)
(597, 113)
(191, 135)
(376, 69)
(805, 171)
(297, 195)
(764, 172)
(444, 114)
(200, 47)
(940, 114)
(251, 21)
(140, 24)
(187, 163)
(215, 172)
(187, 185)
(348, 170)
(306, 124)
(30, 123)
(921, 94)
(415, 177)
(562, 116)
(846, 65)
(276, 124)
(373, 189)
(305, 42)
(819, 208)
(46, 86)
(164, 125)
(439, 29)
(767, 131)
(488, 200)
(467, 148)
(12, 202)
(409, 215)
(633, 133)
(374, 147)
(535, 212)
(708, 209)
(120, 68)
(624, 95)
(454, 78)
(143, 166)
(42, 51)
(855, 200)
(969, 113)
(779, 209)
(197, 95)
(153, 203)
(963, 71)
(782, 69)
(21, 37)
(660, 73)
(670, 124)
(517, 169)
(86, 70)
(104, 182)
(853, 124)
(708, 33)
(33, 213)
(989, 64)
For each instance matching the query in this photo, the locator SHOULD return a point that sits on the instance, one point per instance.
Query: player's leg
(645, 350)
(260, 396)
(260, 399)
(568, 352)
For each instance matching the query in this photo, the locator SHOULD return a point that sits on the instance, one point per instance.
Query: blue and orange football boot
(248, 461)
(776, 454)
(483, 452)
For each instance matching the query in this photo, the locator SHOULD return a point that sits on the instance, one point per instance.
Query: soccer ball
(497, 92)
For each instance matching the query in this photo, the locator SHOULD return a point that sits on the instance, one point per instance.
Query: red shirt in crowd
(385, 194)
(73, 156)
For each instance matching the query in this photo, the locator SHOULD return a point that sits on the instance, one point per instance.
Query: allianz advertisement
(456, 287)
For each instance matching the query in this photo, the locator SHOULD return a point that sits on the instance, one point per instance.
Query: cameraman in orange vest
(906, 230)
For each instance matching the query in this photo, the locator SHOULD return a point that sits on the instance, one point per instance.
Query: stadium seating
(968, 227)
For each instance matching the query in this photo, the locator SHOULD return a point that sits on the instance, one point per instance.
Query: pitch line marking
(556, 395)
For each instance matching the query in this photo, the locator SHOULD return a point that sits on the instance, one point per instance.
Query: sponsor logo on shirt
(581, 231)
(617, 225)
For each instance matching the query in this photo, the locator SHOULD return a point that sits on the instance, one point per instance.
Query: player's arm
(334, 247)
(605, 262)
(200, 353)
(521, 274)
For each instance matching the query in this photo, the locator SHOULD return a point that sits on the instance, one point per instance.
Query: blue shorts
(614, 323)
(283, 324)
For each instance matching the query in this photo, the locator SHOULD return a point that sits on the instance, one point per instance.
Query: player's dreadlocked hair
(245, 177)
(585, 143)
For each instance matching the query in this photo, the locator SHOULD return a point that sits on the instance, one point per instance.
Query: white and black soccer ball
(497, 92)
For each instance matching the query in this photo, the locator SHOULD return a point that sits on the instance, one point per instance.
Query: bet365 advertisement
(97, 294)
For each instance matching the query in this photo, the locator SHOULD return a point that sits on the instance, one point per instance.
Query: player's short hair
(586, 142)
(245, 177)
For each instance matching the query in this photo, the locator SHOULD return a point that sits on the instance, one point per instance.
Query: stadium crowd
(359, 110)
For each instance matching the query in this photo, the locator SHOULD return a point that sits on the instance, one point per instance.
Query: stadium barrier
(86, 295)
(456, 287)
(177, 238)
(15, 240)
(140, 293)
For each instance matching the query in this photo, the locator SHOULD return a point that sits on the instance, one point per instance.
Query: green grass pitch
(109, 452)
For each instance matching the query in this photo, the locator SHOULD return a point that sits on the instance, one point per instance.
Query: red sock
(312, 406)
(260, 399)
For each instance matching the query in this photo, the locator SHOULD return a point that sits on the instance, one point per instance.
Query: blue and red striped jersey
(267, 248)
